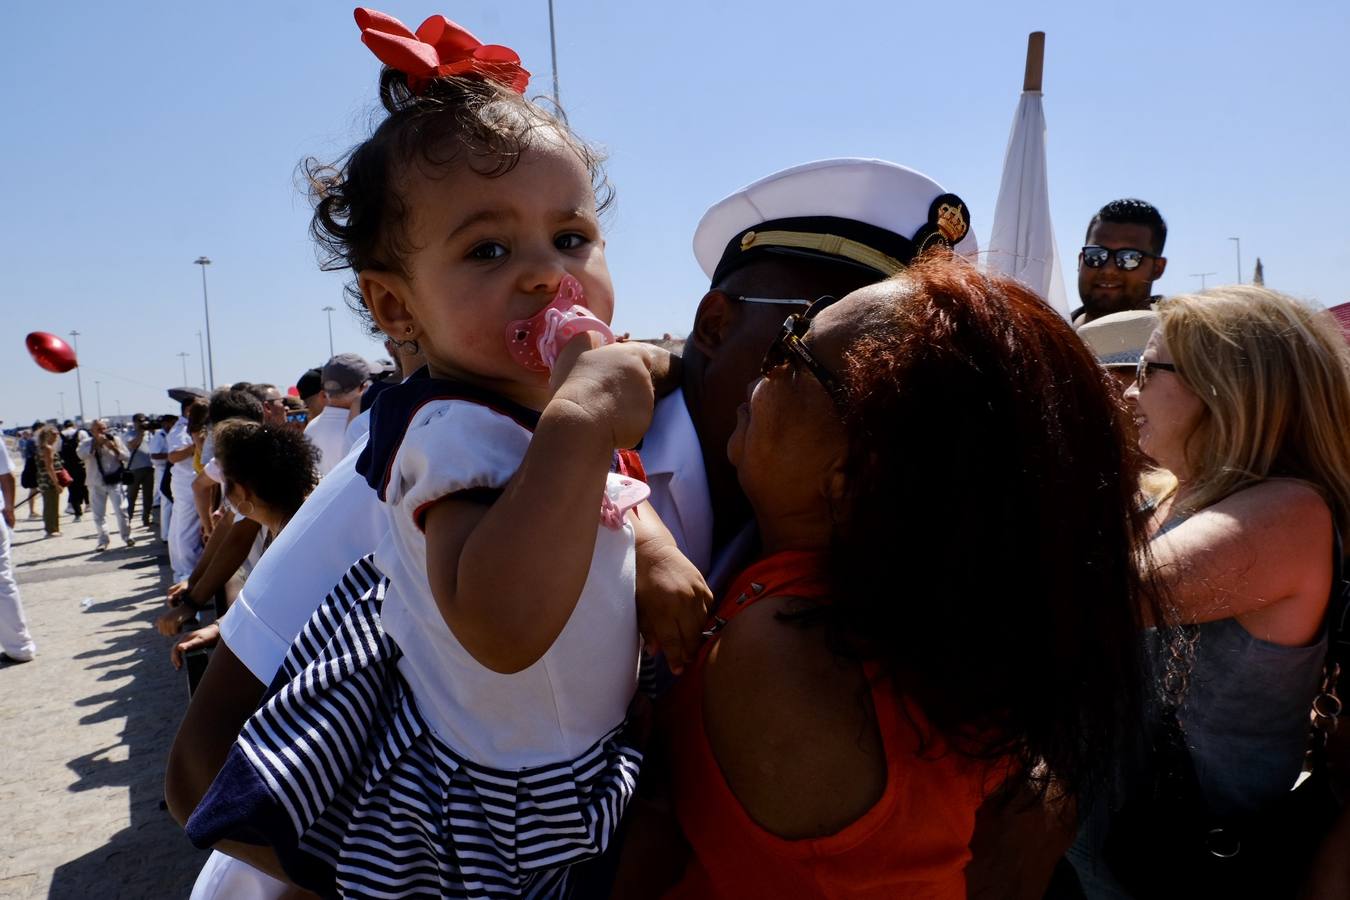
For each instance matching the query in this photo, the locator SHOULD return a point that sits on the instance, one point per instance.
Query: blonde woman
(1243, 396)
(49, 479)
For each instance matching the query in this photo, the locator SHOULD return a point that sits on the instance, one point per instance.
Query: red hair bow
(439, 48)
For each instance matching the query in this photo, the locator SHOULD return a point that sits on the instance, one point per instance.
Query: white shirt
(6, 464)
(156, 442)
(572, 696)
(673, 460)
(179, 439)
(328, 433)
(357, 429)
(340, 522)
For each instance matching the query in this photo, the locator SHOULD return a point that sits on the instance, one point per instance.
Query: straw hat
(1118, 339)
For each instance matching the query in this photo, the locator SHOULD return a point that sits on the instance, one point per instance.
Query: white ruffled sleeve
(452, 447)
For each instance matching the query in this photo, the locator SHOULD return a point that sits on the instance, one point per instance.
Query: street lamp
(79, 382)
(206, 307)
(98, 392)
(182, 358)
(329, 310)
(201, 354)
(1202, 276)
(62, 396)
(553, 46)
(1238, 241)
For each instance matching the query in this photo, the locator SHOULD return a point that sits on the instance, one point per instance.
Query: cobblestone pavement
(85, 728)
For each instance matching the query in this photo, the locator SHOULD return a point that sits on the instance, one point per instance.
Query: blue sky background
(139, 136)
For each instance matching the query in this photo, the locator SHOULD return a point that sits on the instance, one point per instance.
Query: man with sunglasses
(1120, 260)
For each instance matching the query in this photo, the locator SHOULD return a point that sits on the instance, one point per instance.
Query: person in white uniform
(15, 641)
(185, 536)
(158, 444)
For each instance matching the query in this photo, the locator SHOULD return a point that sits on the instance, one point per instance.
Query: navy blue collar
(396, 406)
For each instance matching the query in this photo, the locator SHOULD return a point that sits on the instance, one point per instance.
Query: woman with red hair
(947, 599)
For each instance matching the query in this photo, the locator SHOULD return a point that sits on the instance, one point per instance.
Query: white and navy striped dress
(368, 783)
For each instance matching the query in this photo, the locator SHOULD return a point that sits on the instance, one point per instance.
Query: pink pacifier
(621, 495)
(536, 342)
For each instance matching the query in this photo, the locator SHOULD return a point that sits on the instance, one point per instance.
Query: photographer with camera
(105, 458)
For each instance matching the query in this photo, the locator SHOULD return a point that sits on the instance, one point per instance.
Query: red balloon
(293, 391)
(50, 352)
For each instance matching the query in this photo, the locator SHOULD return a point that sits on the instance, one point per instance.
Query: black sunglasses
(1127, 259)
(1145, 365)
(788, 349)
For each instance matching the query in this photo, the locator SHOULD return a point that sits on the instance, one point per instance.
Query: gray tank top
(1245, 713)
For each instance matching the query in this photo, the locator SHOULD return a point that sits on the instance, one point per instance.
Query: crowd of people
(890, 583)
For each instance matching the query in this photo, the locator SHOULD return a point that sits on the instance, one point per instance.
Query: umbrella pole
(1031, 80)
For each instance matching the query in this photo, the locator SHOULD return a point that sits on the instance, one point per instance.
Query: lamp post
(553, 46)
(329, 310)
(1202, 276)
(1238, 242)
(79, 382)
(206, 307)
(98, 392)
(201, 354)
(182, 358)
(119, 408)
(62, 396)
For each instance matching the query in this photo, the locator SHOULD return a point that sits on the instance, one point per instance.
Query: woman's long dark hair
(988, 556)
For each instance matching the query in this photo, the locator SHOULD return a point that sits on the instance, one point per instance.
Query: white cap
(876, 201)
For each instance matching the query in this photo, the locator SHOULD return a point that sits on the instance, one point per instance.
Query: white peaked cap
(876, 193)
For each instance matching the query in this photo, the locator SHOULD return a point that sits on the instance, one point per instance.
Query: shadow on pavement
(150, 857)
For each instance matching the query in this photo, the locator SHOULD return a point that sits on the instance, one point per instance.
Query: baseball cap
(345, 373)
(310, 383)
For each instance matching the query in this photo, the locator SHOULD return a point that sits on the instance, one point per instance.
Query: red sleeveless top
(913, 843)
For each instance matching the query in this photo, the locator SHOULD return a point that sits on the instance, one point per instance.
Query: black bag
(70, 450)
(120, 475)
(166, 483)
(28, 478)
(1165, 842)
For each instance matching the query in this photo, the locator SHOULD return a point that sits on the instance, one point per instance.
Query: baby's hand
(612, 384)
(672, 602)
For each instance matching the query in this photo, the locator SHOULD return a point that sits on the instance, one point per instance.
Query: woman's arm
(1262, 555)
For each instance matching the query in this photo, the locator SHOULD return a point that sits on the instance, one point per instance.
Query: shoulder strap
(1338, 609)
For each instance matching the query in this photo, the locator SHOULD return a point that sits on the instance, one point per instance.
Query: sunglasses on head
(1127, 258)
(788, 349)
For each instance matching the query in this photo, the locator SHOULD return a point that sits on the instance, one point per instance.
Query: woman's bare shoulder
(791, 724)
(1249, 555)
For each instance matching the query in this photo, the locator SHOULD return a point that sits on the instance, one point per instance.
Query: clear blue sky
(135, 141)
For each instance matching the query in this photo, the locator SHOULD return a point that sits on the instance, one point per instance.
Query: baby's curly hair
(279, 465)
(359, 216)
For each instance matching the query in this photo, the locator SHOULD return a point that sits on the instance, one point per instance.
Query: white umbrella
(1023, 241)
